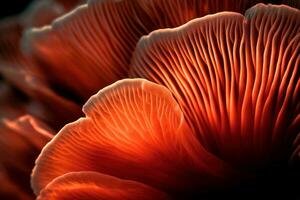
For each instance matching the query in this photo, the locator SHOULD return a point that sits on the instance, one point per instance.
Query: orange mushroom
(21, 141)
(228, 107)
(94, 43)
(209, 102)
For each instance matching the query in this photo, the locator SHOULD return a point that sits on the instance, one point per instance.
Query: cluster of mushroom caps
(179, 97)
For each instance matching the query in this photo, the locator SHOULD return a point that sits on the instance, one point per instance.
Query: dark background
(12, 7)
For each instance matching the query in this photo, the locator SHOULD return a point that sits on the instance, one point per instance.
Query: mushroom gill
(235, 78)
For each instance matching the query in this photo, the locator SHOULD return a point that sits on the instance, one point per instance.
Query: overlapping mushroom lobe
(235, 78)
(21, 141)
(96, 186)
(23, 72)
(96, 41)
(133, 130)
